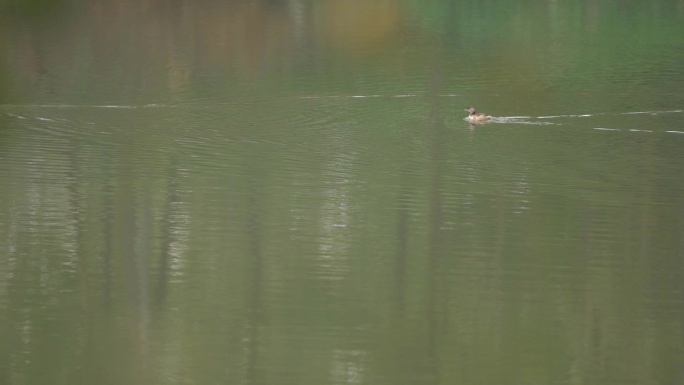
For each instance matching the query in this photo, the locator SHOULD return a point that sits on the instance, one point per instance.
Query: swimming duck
(475, 117)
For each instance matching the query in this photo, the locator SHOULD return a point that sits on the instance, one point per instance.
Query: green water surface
(286, 192)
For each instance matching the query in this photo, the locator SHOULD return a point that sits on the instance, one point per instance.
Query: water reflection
(227, 49)
(286, 192)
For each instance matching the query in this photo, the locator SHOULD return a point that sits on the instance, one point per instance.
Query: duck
(475, 117)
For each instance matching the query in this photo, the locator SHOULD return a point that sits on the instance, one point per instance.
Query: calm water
(285, 192)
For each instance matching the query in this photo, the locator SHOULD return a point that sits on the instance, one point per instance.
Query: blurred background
(286, 191)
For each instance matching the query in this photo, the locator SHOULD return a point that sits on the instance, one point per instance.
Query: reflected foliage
(281, 192)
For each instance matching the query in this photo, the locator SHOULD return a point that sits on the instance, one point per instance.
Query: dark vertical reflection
(134, 246)
(436, 220)
(142, 259)
(76, 205)
(402, 254)
(255, 299)
(108, 224)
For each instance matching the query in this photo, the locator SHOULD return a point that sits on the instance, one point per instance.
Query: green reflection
(286, 192)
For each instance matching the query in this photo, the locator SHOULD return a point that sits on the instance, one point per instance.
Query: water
(287, 192)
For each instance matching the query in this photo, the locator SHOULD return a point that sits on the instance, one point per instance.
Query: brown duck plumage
(475, 117)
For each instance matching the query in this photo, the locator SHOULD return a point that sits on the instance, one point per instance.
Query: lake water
(286, 192)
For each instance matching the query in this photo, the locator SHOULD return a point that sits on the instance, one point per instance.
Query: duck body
(475, 117)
